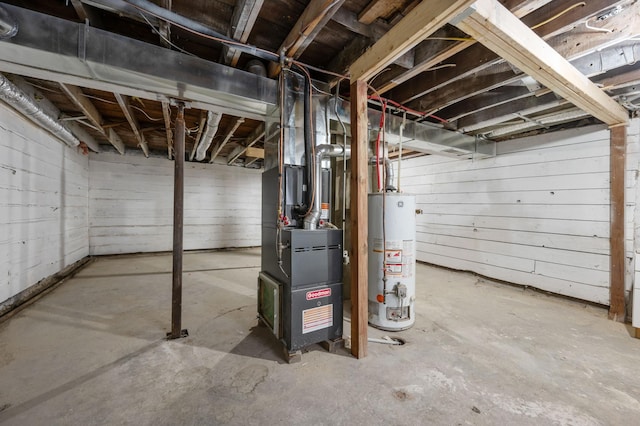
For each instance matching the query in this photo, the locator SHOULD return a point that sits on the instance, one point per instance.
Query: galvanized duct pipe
(322, 151)
(213, 121)
(8, 25)
(389, 173)
(19, 100)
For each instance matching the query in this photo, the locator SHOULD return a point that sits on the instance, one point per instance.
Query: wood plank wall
(43, 204)
(537, 214)
(131, 205)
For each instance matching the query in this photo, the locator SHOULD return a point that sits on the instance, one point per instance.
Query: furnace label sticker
(317, 318)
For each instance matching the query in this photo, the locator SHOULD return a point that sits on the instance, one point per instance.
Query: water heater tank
(391, 301)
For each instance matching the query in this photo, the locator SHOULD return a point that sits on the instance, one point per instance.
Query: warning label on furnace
(317, 318)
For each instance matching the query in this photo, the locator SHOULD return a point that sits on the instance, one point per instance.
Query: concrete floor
(481, 353)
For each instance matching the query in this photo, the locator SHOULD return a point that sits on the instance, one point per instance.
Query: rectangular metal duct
(54, 49)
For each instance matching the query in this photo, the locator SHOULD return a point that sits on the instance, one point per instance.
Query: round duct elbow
(8, 25)
(256, 67)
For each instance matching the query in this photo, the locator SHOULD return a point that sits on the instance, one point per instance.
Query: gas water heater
(392, 260)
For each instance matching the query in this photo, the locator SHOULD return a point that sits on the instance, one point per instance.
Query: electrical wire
(155, 30)
(556, 16)
(601, 30)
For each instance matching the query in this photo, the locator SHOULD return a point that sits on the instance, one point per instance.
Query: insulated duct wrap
(16, 98)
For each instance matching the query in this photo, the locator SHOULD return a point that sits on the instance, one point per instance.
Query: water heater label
(317, 318)
(318, 294)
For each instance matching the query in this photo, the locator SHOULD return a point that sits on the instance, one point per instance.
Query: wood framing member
(164, 26)
(313, 19)
(80, 10)
(495, 27)
(216, 150)
(617, 158)
(421, 22)
(247, 147)
(75, 94)
(359, 219)
(125, 106)
(244, 18)
(377, 9)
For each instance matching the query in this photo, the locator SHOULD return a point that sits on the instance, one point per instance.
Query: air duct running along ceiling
(421, 137)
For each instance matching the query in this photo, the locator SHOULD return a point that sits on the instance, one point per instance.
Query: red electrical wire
(402, 107)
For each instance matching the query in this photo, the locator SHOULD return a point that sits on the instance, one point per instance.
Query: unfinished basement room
(319, 212)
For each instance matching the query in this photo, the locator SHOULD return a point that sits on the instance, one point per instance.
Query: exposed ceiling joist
(125, 106)
(83, 103)
(377, 9)
(494, 26)
(426, 62)
(216, 150)
(313, 19)
(80, 10)
(253, 138)
(477, 57)
(422, 21)
(242, 22)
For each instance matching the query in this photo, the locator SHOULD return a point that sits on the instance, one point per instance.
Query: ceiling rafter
(216, 150)
(307, 27)
(418, 24)
(80, 100)
(477, 57)
(244, 18)
(125, 106)
(494, 26)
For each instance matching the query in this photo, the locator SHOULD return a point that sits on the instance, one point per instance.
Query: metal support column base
(183, 333)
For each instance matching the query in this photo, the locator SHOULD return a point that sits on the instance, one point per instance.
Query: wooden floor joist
(417, 25)
(499, 30)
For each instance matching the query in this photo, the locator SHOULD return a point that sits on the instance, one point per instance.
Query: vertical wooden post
(616, 237)
(178, 216)
(359, 219)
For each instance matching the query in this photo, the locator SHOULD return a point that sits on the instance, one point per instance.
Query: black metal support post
(178, 219)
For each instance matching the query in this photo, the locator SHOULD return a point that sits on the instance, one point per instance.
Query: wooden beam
(498, 29)
(216, 150)
(244, 18)
(247, 145)
(80, 10)
(308, 26)
(618, 148)
(378, 9)
(164, 27)
(421, 22)
(478, 54)
(254, 152)
(125, 106)
(80, 100)
(359, 219)
(522, 8)
(166, 113)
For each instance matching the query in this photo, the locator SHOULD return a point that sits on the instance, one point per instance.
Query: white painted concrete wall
(131, 205)
(537, 214)
(43, 204)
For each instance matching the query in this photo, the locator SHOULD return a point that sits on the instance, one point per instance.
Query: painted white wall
(537, 214)
(43, 204)
(131, 205)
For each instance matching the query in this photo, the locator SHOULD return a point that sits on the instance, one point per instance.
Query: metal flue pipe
(322, 151)
(19, 100)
